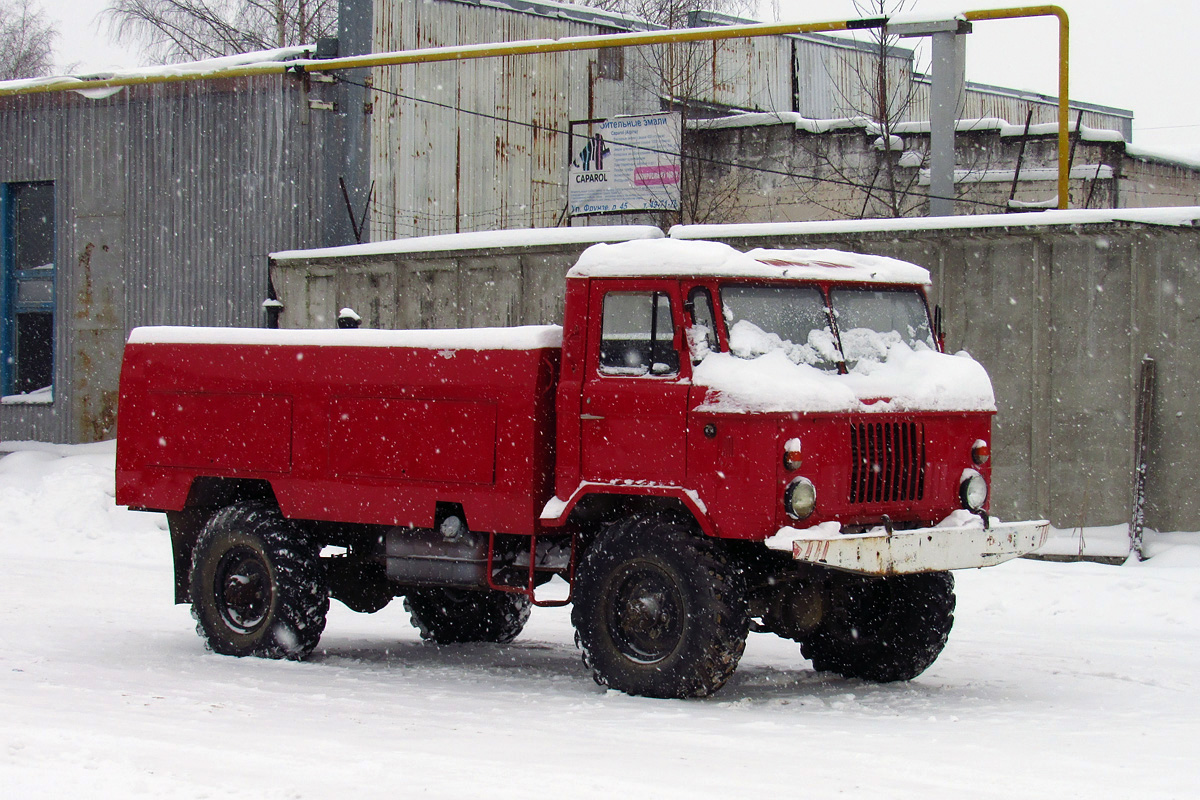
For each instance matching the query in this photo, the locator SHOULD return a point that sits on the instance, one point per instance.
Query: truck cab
(767, 390)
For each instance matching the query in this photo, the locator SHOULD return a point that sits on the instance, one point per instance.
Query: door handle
(590, 416)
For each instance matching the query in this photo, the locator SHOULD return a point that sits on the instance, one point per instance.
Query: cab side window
(637, 335)
(702, 335)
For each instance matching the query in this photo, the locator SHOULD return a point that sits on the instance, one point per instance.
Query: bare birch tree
(26, 40)
(188, 30)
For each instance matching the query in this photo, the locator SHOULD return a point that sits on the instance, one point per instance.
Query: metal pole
(946, 97)
(1143, 419)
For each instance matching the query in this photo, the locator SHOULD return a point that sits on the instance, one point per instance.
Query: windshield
(871, 321)
(788, 318)
(795, 320)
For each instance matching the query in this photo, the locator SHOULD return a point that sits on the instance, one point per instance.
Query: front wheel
(257, 585)
(883, 629)
(659, 610)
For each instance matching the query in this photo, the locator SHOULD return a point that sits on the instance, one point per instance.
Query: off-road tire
(659, 610)
(257, 585)
(883, 629)
(455, 616)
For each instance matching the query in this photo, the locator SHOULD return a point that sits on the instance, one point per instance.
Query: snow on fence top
(528, 337)
(673, 257)
(1182, 216)
(480, 240)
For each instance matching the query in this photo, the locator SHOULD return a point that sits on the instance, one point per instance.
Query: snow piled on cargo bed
(526, 337)
(1086, 677)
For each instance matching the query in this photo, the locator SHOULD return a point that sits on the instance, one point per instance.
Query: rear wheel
(453, 616)
(659, 610)
(883, 629)
(257, 585)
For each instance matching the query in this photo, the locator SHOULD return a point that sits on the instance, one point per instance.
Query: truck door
(635, 389)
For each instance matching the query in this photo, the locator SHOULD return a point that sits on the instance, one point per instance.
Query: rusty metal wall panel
(441, 170)
(836, 80)
(750, 74)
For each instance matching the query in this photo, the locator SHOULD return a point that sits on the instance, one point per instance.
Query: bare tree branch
(26, 40)
(185, 30)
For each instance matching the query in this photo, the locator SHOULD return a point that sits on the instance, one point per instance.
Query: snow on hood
(678, 257)
(903, 380)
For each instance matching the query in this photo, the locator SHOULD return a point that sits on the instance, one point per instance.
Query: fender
(557, 511)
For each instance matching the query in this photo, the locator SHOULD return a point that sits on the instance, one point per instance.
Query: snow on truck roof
(675, 257)
(527, 337)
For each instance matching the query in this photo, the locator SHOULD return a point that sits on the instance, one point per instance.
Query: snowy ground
(1060, 680)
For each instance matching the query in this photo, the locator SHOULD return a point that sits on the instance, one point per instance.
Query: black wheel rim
(646, 613)
(242, 587)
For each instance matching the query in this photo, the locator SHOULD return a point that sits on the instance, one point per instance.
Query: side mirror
(939, 331)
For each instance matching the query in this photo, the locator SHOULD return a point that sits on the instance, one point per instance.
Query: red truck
(714, 442)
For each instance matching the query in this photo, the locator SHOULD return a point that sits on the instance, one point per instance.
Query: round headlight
(973, 490)
(801, 498)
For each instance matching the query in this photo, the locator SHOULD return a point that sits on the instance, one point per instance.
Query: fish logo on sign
(591, 155)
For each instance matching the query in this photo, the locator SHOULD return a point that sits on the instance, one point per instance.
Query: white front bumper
(922, 550)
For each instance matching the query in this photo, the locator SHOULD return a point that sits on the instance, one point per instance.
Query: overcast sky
(1140, 56)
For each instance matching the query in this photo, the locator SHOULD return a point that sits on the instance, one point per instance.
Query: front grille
(888, 462)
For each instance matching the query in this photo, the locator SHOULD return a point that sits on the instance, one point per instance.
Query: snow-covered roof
(675, 257)
(803, 123)
(207, 67)
(1182, 216)
(527, 337)
(1154, 154)
(480, 240)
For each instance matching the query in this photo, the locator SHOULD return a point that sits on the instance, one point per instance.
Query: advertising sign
(624, 164)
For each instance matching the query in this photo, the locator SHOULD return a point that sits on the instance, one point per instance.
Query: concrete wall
(1061, 315)
(444, 289)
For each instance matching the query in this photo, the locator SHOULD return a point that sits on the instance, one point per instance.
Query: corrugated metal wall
(439, 168)
(1008, 104)
(835, 78)
(168, 200)
(480, 145)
